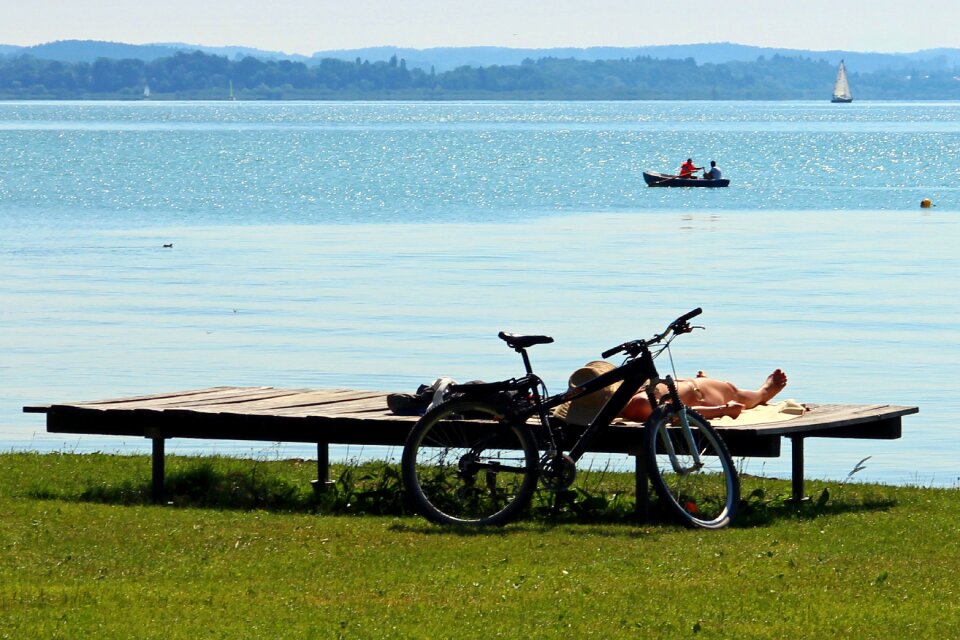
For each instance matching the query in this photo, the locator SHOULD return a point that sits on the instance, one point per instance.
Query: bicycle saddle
(515, 341)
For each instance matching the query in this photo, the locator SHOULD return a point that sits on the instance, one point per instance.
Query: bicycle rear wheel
(464, 465)
(704, 494)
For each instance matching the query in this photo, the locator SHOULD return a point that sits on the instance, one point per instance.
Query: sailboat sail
(841, 90)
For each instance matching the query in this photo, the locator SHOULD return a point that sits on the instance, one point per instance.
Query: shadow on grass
(377, 489)
(758, 510)
(363, 489)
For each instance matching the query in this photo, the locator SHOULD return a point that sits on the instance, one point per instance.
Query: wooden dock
(352, 417)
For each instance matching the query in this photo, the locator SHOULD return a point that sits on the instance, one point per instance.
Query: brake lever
(686, 328)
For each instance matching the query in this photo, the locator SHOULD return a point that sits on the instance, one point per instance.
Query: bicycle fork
(680, 410)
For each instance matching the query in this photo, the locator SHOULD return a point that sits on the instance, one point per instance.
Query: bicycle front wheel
(694, 475)
(463, 464)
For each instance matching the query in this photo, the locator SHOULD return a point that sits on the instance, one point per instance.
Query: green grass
(248, 551)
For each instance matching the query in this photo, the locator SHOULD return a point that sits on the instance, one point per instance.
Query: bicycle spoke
(469, 471)
(703, 494)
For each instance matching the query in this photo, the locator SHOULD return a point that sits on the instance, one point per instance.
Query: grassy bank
(248, 551)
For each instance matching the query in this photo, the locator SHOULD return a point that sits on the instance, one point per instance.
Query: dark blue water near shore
(381, 245)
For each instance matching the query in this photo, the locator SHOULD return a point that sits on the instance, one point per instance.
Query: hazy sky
(305, 26)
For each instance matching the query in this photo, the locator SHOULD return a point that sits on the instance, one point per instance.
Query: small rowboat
(655, 179)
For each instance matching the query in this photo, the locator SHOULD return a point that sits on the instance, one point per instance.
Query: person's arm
(731, 409)
(638, 409)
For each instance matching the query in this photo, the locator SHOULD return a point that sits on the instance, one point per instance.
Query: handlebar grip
(609, 352)
(689, 316)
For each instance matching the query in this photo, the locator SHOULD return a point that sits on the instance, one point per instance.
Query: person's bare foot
(773, 385)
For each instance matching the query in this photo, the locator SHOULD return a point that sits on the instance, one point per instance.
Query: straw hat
(585, 408)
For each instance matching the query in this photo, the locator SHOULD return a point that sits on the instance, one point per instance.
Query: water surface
(381, 245)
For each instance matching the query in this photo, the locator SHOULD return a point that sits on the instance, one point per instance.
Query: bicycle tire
(706, 496)
(464, 464)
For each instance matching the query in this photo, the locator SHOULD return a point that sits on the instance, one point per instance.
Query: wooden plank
(187, 423)
(129, 400)
(824, 417)
(226, 401)
(367, 416)
(160, 401)
(159, 396)
(80, 420)
(315, 400)
(370, 406)
(238, 398)
(36, 408)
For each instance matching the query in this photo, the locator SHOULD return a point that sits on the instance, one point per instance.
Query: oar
(672, 178)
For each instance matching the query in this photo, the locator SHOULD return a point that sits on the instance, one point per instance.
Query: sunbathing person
(710, 397)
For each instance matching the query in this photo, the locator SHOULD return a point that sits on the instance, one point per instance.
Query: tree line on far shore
(199, 75)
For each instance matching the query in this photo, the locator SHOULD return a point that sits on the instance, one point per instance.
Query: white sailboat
(841, 90)
(146, 92)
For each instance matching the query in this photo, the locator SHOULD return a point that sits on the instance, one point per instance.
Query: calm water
(382, 245)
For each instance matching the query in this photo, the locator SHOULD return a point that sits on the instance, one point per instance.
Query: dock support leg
(158, 470)
(642, 508)
(322, 482)
(796, 471)
(642, 489)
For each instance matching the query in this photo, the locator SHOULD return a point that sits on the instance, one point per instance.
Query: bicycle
(475, 459)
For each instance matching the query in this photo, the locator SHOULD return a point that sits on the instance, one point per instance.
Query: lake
(382, 245)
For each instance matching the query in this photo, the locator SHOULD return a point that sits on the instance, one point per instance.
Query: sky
(306, 26)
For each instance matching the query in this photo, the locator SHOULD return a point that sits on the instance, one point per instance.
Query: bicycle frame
(637, 372)
(634, 374)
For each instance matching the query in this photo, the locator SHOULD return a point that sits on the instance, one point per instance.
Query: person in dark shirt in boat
(714, 172)
(688, 169)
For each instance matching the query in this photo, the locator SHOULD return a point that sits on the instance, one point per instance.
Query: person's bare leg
(773, 385)
(638, 409)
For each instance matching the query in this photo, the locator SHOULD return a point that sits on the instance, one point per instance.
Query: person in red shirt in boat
(688, 169)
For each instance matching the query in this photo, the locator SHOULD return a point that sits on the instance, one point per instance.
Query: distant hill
(448, 58)
(90, 50)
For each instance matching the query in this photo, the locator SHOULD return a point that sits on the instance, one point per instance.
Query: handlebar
(678, 326)
(687, 316)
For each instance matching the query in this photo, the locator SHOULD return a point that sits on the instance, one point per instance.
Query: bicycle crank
(557, 472)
